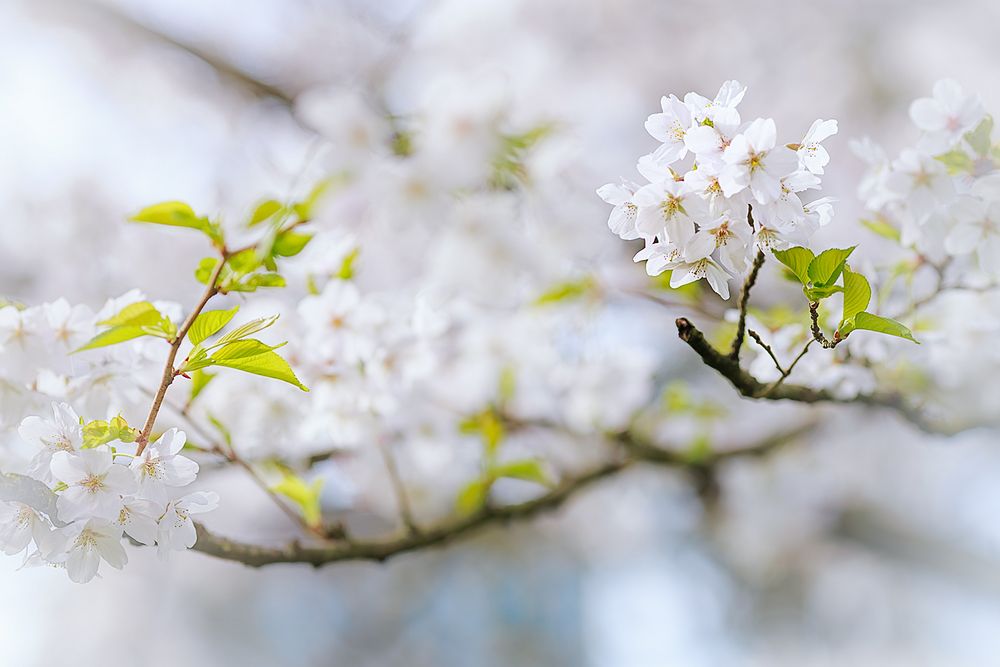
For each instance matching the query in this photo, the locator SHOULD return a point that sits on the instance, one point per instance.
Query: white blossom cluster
(102, 494)
(703, 179)
(943, 193)
(67, 504)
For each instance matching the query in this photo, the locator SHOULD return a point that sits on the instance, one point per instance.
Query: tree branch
(635, 449)
(749, 386)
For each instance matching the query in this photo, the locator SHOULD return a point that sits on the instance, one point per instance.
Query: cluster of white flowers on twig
(710, 169)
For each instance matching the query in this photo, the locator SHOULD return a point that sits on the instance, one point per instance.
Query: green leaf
(248, 329)
(826, 267)
(173, 213)
(304, 495)
(980, 138)
(264, 211)
(269, 364)
(567, 291)
(797, 259)
(818, 293)
(114, 336)
(200, 380)
(205, 269)
(472, 497)
(289, 243)
(869, 322)
(956, 161)
(142, 313)
(882, 228)
(347, 270)
(241, 349)
(226, 434)
(488, 426)
(304, 208)
(857, 294)
(209, 323)
(100, 432)
(530, 470)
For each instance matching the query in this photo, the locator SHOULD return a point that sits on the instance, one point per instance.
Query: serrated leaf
(827, 266)
(241, 349)
(264, 211)
(529, 470)
(209, 323)
(248, 329)
(473, 496)
(114, 336)
(857, 294)
(980, 138)
(797, 259)
(269, 364)
(139, 313)
(819, 293)
(869, 322)
(882, 228)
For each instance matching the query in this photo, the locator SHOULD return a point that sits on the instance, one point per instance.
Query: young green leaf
(530, 470)
(567, 291)
(305, 495)
(797, 259)
(473, 496)
(347, 270)
(289, 243)
(172, 213)
(882, 228)
(265, 210)
(209, 323)
(827, 266)
(248, 329)
(980, 138)
(869, 322)
(113, 336)
(269, 364)
(142, 313)
(857, 294)
(100, 432)
(241, 349)
(200, 380)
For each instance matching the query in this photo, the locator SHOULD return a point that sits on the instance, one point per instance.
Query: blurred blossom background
(868, 543)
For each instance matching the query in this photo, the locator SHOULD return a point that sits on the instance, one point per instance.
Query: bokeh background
(869, 545)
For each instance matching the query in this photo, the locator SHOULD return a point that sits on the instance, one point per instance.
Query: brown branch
(635, 449)
(169, 373)
(749, 386)
(817, 331)
(758, 261)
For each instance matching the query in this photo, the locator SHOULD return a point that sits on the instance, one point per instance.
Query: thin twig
(758, 261)
(402, 498)
(817, 331)
(169, 373)
(767, 348)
